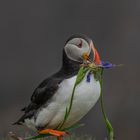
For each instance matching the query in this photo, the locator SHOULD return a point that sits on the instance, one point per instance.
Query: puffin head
(80, 48)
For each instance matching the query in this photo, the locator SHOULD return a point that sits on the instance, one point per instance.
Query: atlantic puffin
(50, 99)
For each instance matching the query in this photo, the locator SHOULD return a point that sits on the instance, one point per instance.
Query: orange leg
(58, 134)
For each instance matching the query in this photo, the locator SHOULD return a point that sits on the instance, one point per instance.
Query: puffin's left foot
(58, 134)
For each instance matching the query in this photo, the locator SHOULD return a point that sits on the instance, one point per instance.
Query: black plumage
(48, 87)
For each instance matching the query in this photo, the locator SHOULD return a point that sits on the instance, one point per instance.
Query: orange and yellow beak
(85, 56)
(96, 58)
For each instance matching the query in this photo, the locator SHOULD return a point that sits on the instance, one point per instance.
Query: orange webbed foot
(57, 133)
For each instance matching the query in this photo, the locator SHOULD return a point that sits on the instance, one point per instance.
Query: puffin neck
(69, 66)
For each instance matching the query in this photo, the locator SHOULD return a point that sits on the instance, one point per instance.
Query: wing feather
(40, 96)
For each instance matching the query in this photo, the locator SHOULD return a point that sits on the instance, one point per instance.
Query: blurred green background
(32, 35)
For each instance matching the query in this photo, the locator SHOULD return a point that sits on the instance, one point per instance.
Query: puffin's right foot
(58, 134)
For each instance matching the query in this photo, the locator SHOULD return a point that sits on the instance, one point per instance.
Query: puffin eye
(80, 44)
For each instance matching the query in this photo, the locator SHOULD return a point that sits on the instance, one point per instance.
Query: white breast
(85, 97)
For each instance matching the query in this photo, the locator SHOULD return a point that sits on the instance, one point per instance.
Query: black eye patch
(80, 44)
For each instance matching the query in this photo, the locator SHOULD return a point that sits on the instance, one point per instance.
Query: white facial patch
(76, 47)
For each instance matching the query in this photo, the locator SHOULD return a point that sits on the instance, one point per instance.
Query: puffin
(50, 99)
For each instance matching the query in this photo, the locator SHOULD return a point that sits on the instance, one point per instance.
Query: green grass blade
(107, 122)
(80, 77)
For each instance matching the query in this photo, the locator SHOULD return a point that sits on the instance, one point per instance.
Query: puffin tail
(17, 123)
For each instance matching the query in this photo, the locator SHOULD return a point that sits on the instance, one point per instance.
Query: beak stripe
(96, 56)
